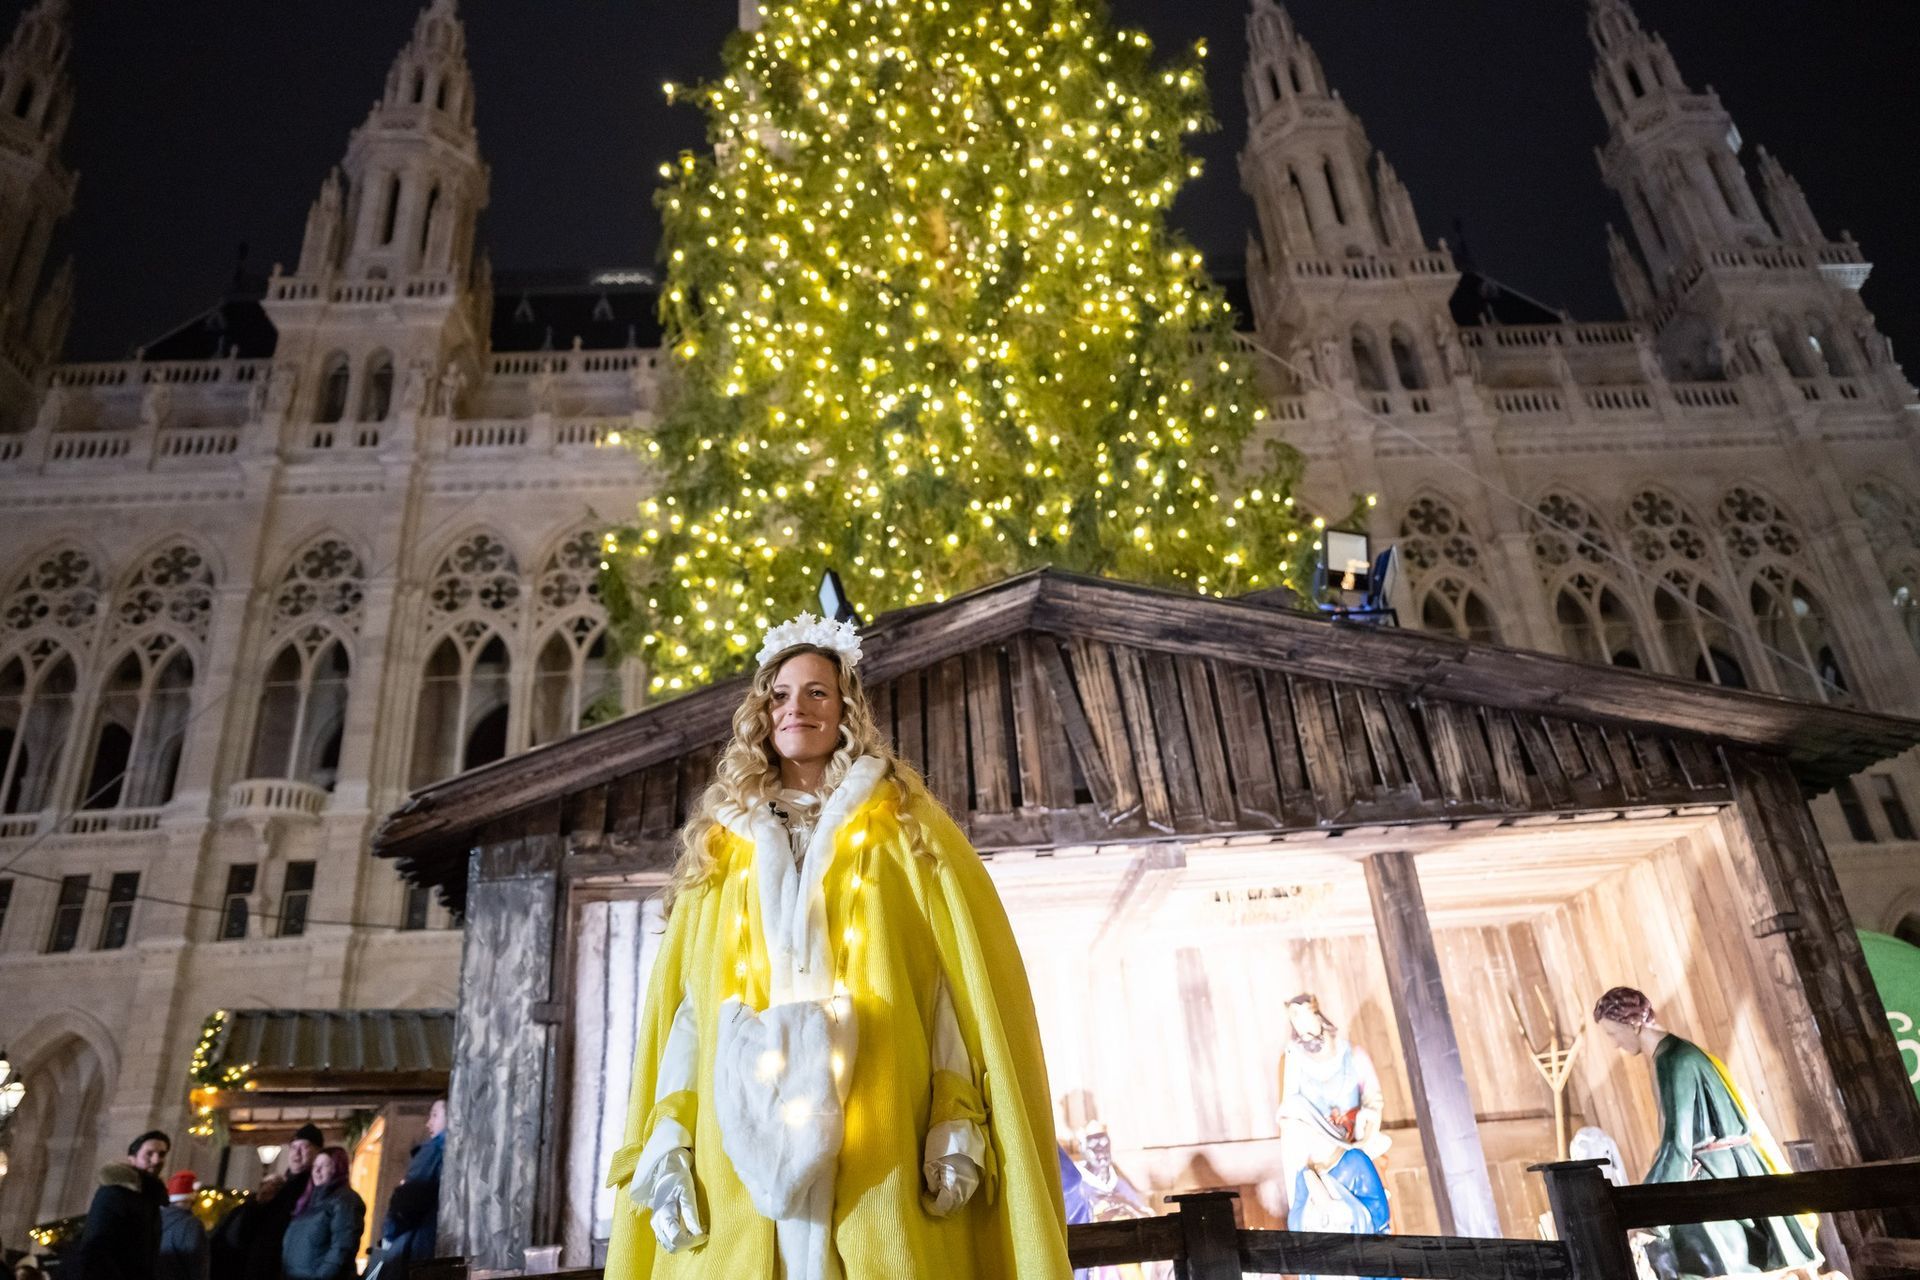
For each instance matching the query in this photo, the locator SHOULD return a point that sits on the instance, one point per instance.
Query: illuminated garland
(929, 327)
(207, 1079)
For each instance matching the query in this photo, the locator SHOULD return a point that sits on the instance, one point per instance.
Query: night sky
(200, 126)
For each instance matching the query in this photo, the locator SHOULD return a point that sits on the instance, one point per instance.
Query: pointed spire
(1629, 277)
(33, 69)
(430, 73)
(1787, 202)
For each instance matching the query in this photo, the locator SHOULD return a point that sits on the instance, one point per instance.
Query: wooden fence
(1593, 1217)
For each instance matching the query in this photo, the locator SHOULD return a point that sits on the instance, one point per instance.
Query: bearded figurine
(835, 989)
(1330, 1138)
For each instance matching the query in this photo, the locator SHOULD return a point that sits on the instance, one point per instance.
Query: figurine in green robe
(1706, 1131)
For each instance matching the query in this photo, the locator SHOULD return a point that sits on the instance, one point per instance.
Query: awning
(262, 1067)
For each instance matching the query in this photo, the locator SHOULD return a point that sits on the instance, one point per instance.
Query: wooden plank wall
(502, 1057)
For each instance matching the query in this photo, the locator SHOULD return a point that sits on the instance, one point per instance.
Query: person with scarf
(839, 1073)
(324, 1234)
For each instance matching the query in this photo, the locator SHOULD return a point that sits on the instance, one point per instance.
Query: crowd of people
(304, 1222)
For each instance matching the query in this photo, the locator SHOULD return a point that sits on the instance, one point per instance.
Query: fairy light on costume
(836, 985)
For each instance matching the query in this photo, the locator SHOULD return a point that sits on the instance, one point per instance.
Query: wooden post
(496, 1129)
(1456, 1163)
(1794, 896)
(1210, 1237)
(1586, 1221)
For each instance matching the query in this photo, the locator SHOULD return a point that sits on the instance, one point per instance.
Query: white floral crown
(807, 629)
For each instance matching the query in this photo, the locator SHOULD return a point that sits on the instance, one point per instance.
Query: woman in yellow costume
(839, 1073)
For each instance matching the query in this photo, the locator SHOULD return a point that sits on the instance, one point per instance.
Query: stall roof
(338, 1050)
(433, 831)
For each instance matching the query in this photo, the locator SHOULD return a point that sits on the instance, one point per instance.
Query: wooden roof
(1052, 708)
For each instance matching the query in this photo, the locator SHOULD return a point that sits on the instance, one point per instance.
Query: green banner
(1895, 966)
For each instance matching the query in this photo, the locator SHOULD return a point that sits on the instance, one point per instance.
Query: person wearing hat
(183, 1241)
(268, 1225)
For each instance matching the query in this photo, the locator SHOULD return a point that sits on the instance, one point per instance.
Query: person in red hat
(183, 1241)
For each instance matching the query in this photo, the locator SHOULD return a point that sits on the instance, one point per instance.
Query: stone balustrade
(262, 799)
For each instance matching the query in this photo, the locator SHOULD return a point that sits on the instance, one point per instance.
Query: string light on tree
(930, 327)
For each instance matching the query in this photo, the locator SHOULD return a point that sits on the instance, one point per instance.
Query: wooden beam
(1436, 1076)
(1848, 1054)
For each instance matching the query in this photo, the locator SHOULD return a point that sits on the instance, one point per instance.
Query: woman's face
(806, 709)
(323, 1170)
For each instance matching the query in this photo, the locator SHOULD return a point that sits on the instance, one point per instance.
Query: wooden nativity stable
(1193, 809)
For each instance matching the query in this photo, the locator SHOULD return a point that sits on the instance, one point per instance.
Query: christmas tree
(929, 327)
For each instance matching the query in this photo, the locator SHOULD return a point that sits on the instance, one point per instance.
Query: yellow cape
(924, 908)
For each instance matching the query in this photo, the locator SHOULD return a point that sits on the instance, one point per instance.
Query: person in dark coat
(252, 1244)
(324, 1235)
(183, 1241)
(121, 1240)
(409, 1232)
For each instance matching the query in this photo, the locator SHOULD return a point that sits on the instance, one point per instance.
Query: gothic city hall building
(317, 548)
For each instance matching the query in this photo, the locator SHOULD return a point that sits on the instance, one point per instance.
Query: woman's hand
(672, 1199)
(951, 1181)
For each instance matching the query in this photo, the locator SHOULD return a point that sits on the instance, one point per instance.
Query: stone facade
(317, 549)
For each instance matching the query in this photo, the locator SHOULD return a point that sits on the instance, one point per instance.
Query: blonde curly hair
(747, 772)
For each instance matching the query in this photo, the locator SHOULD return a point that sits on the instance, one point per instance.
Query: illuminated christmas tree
(929, 327)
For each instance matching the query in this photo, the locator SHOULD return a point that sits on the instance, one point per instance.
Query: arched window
(144, 704)
(1564, 530)
(1367, 370)
(303, 702)
(334, 382)
(1406, 360)
(60, 593)
(1452, 607)
(574, 680)
(1298, 195)
(23, 104)
(1891, 522)
(1333, 192)
(1792, 624)
(303, 710)
(1293, 74)
(135, 751)
(1442, 558)
(376, 396)
(1271, 83)
(440, 96)
(390, 217)
(419, 86)
(1752, 526)
(475, 598)
(1694, 631)
(463, 705)
(1595, 623)
(426, 220)
(1635, 83)
(36, 715)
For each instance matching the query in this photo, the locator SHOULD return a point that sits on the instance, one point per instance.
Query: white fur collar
(793, 907)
